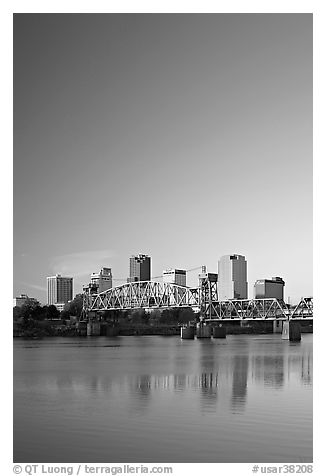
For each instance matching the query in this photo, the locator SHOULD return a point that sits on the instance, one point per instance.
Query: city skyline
(186, 137)
(105, 275)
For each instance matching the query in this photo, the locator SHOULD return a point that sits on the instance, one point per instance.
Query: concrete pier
(277, 327)
(187, 332)
(219, 332)
(291, 331)
(203, 331)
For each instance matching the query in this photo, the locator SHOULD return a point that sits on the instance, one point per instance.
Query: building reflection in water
(143, 385)
(207, 380)
(239, 382)
(218, 374)
(140, 387)
(274, 371)
(179, 382)
(306, 369)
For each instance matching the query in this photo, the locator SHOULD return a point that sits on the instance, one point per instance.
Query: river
(247, 398)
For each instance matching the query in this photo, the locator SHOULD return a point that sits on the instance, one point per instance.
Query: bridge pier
(291, 331)
(188, 332)
(277, 327)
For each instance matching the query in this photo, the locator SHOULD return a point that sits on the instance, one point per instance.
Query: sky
(182, 136)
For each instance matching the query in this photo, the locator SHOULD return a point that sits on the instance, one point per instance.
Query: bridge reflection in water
(146, 397)
(218, 373)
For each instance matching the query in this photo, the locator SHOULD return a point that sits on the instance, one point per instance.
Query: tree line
(31, 312)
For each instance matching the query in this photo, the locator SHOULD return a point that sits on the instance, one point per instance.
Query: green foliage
(139, 316)
(74, 308)
(52, 312)
(186, 315)
(168, 316)
(31, 313)
(65, 315)
(176, 315)
(155, 316)
(39, 313)
(17, 314)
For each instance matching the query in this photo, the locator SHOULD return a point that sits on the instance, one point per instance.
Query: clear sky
(185, 137)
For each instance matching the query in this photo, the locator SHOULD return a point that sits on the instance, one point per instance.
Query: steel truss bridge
(155, 295)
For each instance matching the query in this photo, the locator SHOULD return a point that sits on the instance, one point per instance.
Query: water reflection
(269, 371)
(143, 385)
(274, 371)
(139, 393)
(306, 369)
(239, 382)
(180, 382)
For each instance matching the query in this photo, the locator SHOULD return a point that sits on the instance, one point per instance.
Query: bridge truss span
(151, 294)
(143, 294)
(249, 309)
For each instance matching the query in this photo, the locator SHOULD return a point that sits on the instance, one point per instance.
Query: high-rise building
(232, 277)
(175, 276)
(59, 290)
(140, 268)
(269, 288)
(102, 280)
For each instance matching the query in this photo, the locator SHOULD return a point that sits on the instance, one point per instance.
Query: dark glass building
(140, 268)
(269, 288)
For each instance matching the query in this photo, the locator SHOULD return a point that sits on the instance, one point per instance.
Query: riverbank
(60, 329)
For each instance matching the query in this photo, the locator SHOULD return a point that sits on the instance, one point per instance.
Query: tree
(155, 316)
(139, 316)
(75, 306)
(185, 315)
(39, 313)
(17, 312)
(52, 312)
(65, 315)
(168, 316)
(26, 312)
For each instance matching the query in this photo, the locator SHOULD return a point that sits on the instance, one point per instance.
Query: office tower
(59, 290)
(175, 276)
(269, 288)
(140, 268)
(232, 277)
(102, 280)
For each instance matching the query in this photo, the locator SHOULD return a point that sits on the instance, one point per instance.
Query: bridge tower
(208, 293)
(88, 290)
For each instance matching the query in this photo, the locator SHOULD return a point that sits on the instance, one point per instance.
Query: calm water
(160, 399)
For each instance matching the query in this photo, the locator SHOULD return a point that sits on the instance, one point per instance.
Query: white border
(318, 10)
